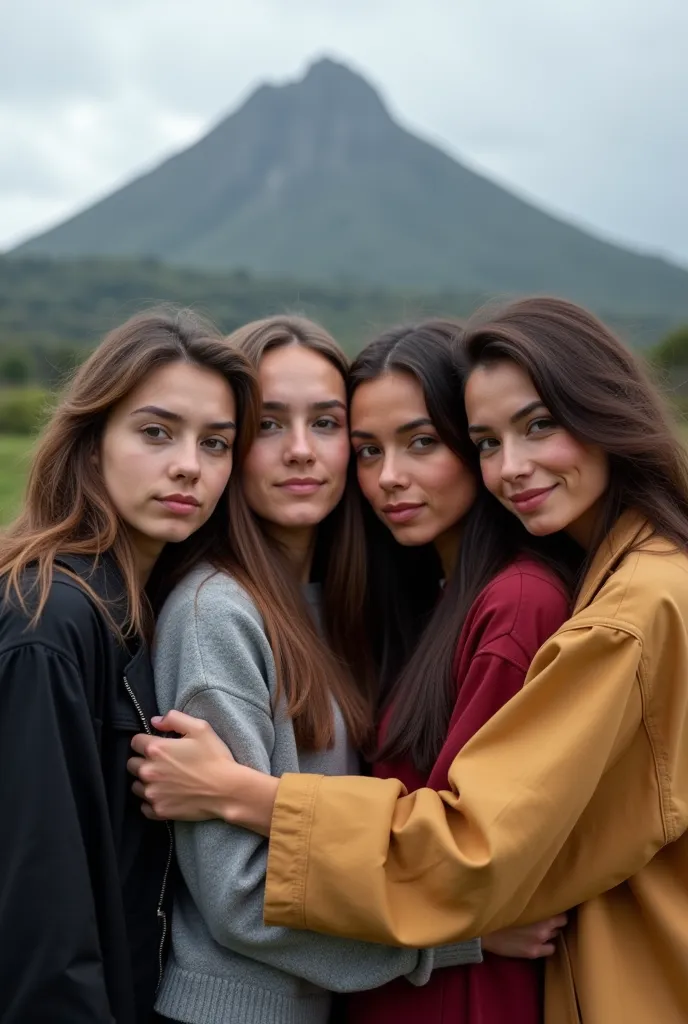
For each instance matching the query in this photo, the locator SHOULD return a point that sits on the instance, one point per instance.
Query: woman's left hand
(528, 942)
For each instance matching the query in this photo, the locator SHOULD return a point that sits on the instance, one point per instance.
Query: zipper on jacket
(161, 899)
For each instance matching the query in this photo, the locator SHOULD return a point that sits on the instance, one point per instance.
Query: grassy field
(14, 462)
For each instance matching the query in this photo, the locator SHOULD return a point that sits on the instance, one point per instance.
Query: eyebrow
(174, 417)
(478, 428)
(422, 421)
(332, 403)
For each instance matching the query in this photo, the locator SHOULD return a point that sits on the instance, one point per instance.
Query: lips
(528, 501)
(404, 512)
(301, 485)
(180, 504)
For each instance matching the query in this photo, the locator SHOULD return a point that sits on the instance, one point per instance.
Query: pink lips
(180, 504)
(528, 501)
(403, 512)
(301, 485)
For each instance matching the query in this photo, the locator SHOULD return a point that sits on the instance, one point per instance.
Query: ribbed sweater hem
(206, 999)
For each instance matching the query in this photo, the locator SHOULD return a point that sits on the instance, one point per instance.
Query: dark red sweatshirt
(511, 618)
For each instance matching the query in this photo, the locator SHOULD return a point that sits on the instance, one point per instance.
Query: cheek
(217, 477)
(452, 484)
(336, 456)
(367, 476)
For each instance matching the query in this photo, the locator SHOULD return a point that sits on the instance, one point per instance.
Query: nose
(186, 464)
(515, 462)
(392, 477)
(299, 445)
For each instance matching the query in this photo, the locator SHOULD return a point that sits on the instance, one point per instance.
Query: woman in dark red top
(504, 595)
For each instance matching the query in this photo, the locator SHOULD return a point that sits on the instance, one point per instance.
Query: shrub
(23, 410)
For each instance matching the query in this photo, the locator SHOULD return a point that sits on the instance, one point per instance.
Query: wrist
(249, 798)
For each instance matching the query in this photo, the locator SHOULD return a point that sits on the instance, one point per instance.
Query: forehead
(497, 390)
(186, 389)
(388, 402)
(296, 375)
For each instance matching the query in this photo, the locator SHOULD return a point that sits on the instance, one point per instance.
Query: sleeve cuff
(292, 818)
(469, 952)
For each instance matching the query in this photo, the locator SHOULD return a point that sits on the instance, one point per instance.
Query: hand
(183, 778)
(195, 777)
(529, 942)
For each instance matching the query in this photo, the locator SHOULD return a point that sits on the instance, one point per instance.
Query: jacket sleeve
(51, 968)
(224, 867)
(436, 867)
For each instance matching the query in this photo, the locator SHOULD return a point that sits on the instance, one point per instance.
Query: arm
(439, 866)
(51, 967)
(220, 676)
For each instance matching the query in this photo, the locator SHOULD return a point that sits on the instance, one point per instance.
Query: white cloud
(576, 103)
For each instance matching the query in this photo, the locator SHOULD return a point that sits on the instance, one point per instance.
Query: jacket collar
(102, 575)
(629, 530)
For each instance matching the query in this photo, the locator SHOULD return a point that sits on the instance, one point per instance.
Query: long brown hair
(421, 632)
(599, 391)
(67, 509)
(310, 669)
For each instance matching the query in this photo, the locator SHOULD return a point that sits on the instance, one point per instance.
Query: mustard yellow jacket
(574, 795)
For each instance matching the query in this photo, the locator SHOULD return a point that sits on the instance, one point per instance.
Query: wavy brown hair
(311, 669)
(67, 509)
(595, 387)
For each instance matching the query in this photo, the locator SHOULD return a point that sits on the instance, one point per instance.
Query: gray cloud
(577, 105)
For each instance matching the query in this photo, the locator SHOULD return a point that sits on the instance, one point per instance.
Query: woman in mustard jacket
(576, 792)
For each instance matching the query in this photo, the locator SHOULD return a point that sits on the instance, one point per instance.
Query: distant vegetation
(51, 312)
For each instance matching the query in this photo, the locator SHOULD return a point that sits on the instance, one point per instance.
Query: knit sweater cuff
(470, 952)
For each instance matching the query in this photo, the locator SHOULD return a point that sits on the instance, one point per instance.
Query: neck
(584, 529)
(146, 553)
(298, 543)
(447, 547)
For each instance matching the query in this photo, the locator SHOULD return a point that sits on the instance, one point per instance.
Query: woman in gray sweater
(277, 665)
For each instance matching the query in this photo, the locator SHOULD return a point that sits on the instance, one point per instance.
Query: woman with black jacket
(137, 455)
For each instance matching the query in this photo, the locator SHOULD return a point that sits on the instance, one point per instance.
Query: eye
(268, 425)
(326, 423)
(423, 443)
(540, 424)
(486, 444)
(217, 445)
(367, 452)
(154, 432)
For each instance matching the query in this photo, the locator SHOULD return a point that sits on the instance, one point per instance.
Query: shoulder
(68, 618)
(523, 589)
(649, 586)
(518, 610)
(206, 592)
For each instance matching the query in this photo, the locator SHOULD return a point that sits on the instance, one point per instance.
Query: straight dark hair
(424, 633)
(596, 388)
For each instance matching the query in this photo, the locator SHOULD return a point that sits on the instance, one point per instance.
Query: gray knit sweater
(213, 660)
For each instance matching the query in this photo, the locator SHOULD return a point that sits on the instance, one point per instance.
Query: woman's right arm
(211, 660)
(51, 967)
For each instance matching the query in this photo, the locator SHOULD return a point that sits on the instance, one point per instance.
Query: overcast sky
(581, 105)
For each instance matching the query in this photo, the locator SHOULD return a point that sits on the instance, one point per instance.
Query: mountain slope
(314, 179)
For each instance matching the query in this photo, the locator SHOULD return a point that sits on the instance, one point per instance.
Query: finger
(139, 790)
(134, 765)
(141, 743)
(560, 921)
(547, 949)
(148, 811)
(180, 722)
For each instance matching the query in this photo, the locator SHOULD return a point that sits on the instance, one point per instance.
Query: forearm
(243, 796)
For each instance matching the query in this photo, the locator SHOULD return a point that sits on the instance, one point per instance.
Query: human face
(295, 472)
(166, 454)
(550, 480)
(418, 487)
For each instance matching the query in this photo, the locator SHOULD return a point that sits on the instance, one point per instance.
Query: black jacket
(83, 874)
